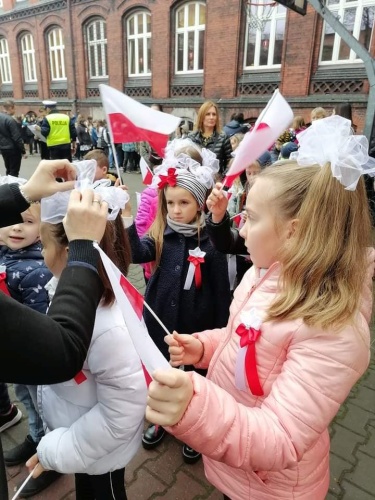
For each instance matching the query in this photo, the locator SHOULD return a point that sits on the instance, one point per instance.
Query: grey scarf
(187, 230)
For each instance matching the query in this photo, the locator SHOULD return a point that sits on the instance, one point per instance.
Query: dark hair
(159, 106)
(344, 109)
(8, 104)
(239, 117)
(115, 243)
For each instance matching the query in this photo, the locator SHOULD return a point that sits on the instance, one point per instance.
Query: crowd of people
(268, 303)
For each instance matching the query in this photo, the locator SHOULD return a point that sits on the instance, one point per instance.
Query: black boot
(189, 455)
(36, 485)
(21, 453)
(153, 436)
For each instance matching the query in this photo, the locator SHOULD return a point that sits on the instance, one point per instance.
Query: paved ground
(161, 473)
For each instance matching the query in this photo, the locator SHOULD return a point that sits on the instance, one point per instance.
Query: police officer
(60, 132)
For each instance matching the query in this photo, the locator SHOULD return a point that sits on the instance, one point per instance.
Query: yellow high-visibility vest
(59, 132)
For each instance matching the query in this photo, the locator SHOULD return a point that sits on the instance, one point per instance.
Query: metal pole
(361, 52)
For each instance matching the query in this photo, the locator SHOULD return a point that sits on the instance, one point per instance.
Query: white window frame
(197, 28)
(139, 39)
(100, 45)
(275, 16)
(28, 58)
(5, 70)
(338, 9)
(56, 54)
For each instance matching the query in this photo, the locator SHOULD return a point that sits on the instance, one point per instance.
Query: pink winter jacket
(145, 217)
(276, 446)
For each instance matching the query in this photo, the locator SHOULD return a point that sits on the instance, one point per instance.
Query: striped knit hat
(189, 182)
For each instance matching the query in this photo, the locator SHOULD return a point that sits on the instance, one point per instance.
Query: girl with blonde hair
(189, 288)
(298, 337)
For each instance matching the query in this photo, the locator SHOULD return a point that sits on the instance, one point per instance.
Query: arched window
(190, 30)
(358, 18)
(5, 72)
(138, 32)
(96, 37)
(56, 49)
(264, 43)
(28, 58)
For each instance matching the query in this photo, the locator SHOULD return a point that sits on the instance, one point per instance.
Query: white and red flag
(131, 303)
(274, 119)
(131, 121)
(147, 175)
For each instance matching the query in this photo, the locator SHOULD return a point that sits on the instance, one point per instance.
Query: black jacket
(225, 238)
(187, 311)
(10, 134)
(219, 143)
(47, 349)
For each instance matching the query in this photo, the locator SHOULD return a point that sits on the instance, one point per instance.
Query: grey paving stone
(363, 475)
(352, 492)
(344, 442)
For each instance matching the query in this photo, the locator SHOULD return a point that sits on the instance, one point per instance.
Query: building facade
(180, 53)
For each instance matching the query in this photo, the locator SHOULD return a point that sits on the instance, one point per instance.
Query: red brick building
(179, 53)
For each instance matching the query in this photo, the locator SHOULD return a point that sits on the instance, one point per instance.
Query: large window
(96, 37)
(264, 38)
(28, 58)
(190, 29)
(139, 44)
(56, 55)
(358, 18)
(5, 72)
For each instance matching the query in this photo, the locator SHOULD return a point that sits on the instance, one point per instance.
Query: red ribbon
(80, 378)
(197, 261)
(168, 180)
(248, 338)
(3, 284)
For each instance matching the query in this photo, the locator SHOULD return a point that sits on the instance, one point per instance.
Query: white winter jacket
(96, 426)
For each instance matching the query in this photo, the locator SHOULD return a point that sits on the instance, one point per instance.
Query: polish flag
(274, 119)
(237, 219)
(3, 280)
(131, 121)
(131, 304)
(147, 175)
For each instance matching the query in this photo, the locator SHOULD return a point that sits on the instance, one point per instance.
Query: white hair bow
(54, 208)
(331, 140)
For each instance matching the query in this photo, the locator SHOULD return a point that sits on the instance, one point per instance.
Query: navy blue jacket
(235, 127)
(186, 311)
(27, 276)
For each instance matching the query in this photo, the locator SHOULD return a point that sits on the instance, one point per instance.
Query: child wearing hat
(189, 286)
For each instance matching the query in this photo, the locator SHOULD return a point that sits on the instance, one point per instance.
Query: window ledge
(196, 79)
(339, 72)
(62, 84)
(138, 81)
(94, 82)
(269, 76)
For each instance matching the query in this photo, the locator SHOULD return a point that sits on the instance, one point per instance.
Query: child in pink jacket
(146, 214)
(297, 339)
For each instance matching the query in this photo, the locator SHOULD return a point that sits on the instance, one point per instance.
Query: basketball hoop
(257, 18)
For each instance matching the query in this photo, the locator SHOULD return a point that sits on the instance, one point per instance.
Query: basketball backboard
(299, 6)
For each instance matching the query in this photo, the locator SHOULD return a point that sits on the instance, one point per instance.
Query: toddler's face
(55, 256)
(252, 170)
(25, 234)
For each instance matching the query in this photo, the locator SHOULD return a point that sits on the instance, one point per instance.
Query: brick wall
(223, 58)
